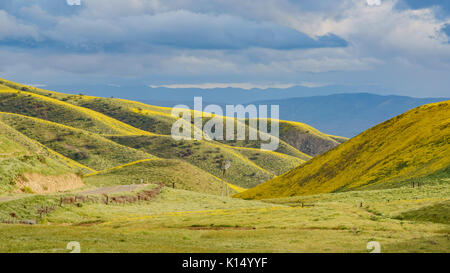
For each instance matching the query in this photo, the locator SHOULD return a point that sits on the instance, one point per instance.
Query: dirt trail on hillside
(8, 198)
(96, 191)
(113, 189)
(48, 184)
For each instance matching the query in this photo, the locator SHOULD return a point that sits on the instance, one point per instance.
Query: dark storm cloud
(180, 29)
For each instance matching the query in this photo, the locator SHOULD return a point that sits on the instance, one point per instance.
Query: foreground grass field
(401, 220)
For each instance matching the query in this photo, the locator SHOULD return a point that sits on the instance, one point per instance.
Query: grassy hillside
(414, 144)
(74, 126)
(145, 117)
(306, 138)
(339, 139)
(87, 148)
(168, 171)
(276, 163)
(31, 104)
(208, 156)
(436, 213)
(294, 137)
(20, 155)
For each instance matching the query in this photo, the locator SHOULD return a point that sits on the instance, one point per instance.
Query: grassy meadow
(401, 220)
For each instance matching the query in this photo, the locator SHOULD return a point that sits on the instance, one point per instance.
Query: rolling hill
(159, 120)
(306, 138)
(414, 144)
(44, 107)
(153, 171)
(89, 149)
(249, 166)
(21, 156)
(93, 113)
(94, 134)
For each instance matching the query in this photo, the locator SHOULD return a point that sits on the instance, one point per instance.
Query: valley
(105, 172)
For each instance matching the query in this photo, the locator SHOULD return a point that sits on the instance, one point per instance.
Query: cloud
(446, 30)
(237, 41)
(179, 29)
(58, 7)
(13, 29)
(440, 6)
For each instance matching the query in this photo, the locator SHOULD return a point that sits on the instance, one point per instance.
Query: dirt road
(113, 189)
(96, 191)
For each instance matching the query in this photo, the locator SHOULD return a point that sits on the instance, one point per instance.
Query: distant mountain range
(339, 114)
(346, 114)
(230, 95)
(333, 109)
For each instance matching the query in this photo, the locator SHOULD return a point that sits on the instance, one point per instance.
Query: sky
(400, 46)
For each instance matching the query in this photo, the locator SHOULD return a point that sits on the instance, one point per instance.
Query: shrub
(26, 189)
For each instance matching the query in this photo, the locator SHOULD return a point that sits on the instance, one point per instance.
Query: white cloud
(10, 27)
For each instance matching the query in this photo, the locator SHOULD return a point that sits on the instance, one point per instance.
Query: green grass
(437, 213)
(158, 122)
(184, 221)
(208, 156)
(20, 155)
(306, 138)
(274, 162)
(184, 175)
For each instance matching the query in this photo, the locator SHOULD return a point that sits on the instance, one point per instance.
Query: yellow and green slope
(414, 144)
(20, 155)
